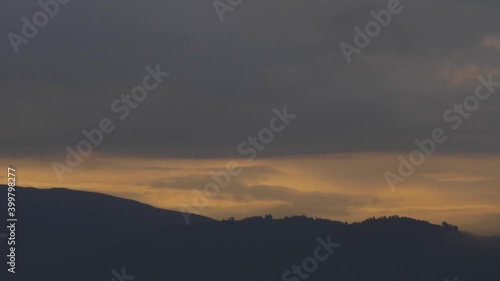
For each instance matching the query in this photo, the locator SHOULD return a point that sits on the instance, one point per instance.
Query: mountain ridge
(62, 231)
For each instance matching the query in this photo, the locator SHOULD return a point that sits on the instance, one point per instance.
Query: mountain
(384, 249)
(57, 224)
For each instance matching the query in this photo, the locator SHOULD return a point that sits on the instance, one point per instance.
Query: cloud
(196, 179)
(458, 178)
(278, 200)
(348, 187)
(492, 42)
(227, 77)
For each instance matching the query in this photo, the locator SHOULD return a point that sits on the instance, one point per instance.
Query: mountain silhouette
(57, 224)
(74, 235)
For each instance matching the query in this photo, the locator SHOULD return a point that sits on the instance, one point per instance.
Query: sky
(228, 74)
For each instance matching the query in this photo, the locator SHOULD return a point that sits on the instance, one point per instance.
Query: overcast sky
(227, 76)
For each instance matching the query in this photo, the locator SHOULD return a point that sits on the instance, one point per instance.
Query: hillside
(57, 224)
(85, 236)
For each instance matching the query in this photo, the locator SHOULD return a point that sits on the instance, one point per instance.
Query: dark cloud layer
(287, 200)
(227, 76)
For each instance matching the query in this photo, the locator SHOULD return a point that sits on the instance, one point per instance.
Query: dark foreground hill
(260, 249)
(55, 225)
